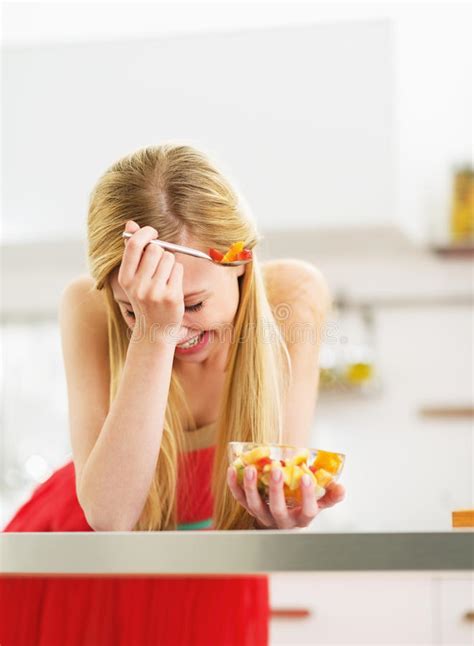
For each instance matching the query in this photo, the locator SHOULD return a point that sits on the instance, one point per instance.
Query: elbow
(100, 520)
(109, 526)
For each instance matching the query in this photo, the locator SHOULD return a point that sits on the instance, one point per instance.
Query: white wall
(301, 117)
(432, 62)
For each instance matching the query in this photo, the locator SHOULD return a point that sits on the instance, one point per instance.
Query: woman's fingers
(149, 261)
(278, 507)
(175, 281)
(309, 506)
(130, 227)
(163, 269)
(133, 253)
(257, 507)
(277, 513)
(334, 493)
(235, 488)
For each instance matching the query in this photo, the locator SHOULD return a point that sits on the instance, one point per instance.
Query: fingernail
(306, 480)
(276, 475)
(249, 474)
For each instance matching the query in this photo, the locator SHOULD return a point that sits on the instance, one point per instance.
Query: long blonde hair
(176, 188)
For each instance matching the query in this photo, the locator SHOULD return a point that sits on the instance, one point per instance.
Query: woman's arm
(115, 451)
(298, 289)
(117, 460)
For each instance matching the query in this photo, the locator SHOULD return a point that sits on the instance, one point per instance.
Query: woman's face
(211, 298)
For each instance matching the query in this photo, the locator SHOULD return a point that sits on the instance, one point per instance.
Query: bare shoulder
(299, 285)
(80, 299)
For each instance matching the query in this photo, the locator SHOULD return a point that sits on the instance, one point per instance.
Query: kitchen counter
(233, 552)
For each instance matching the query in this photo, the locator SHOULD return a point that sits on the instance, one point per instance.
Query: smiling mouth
(194, 340)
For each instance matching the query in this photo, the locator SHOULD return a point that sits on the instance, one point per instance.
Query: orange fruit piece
(327, 461)
(233, 251)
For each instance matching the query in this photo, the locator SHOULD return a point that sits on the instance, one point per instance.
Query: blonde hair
(178, 189)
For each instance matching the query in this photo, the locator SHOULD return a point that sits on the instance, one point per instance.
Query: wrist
(151, 349)
(156, 334)
(152, 338)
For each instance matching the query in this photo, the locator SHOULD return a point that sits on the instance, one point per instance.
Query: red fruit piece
(245, 254)
(215, 254)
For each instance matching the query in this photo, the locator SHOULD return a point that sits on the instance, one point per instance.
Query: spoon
(170, 246)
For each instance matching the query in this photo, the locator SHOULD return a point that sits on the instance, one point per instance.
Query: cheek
(226, 309)
(229, 301)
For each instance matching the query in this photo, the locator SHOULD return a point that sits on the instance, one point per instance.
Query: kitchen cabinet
(454, 619)
(389, 439)
(371, 608)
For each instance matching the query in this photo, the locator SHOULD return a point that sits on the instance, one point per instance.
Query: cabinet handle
(447, 411)
(290, 613)
(468, 615)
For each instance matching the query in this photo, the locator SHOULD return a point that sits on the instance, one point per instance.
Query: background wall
(430, 53)
(311, 142)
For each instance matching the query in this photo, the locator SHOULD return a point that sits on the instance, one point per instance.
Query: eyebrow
(202, 291)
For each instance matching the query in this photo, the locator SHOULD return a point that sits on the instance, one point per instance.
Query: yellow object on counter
(463, 518)
(462, 212)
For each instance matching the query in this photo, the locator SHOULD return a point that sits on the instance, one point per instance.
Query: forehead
(199, 275)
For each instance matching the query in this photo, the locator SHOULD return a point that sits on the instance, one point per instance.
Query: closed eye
(194, 308)
(189, 308)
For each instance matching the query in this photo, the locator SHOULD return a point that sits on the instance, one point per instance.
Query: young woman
(168, 358)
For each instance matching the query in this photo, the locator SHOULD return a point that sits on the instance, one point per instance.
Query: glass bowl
(323, 467)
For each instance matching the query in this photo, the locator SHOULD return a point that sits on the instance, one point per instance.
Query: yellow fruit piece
(265, 478)
(301, 458)
(256, 454)
(323, 477)
(328, 461)
(296, 475)
(238, 462)
(233, 251)
(287, 474)
(240, 474)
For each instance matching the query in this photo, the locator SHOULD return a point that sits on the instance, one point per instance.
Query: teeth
(191, 342)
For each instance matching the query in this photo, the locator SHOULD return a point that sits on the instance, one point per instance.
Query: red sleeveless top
(114, 610)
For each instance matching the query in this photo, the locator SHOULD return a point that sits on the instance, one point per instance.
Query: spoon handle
(174, 247)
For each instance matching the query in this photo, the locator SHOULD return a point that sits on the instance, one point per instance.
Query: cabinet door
(456, 611)
(423, 360)
(352, 608)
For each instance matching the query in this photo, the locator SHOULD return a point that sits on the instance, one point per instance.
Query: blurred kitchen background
(348, 129)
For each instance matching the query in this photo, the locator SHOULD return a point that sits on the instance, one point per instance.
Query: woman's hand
(153, 281)
(276, 515)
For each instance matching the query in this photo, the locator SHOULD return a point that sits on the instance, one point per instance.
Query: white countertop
(232, 552)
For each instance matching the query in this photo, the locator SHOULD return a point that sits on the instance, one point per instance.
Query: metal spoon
(170, 246)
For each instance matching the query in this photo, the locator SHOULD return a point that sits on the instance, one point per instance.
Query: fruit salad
(236, 251)
(323, 467)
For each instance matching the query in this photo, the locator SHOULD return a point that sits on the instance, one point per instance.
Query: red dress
(114, 610)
